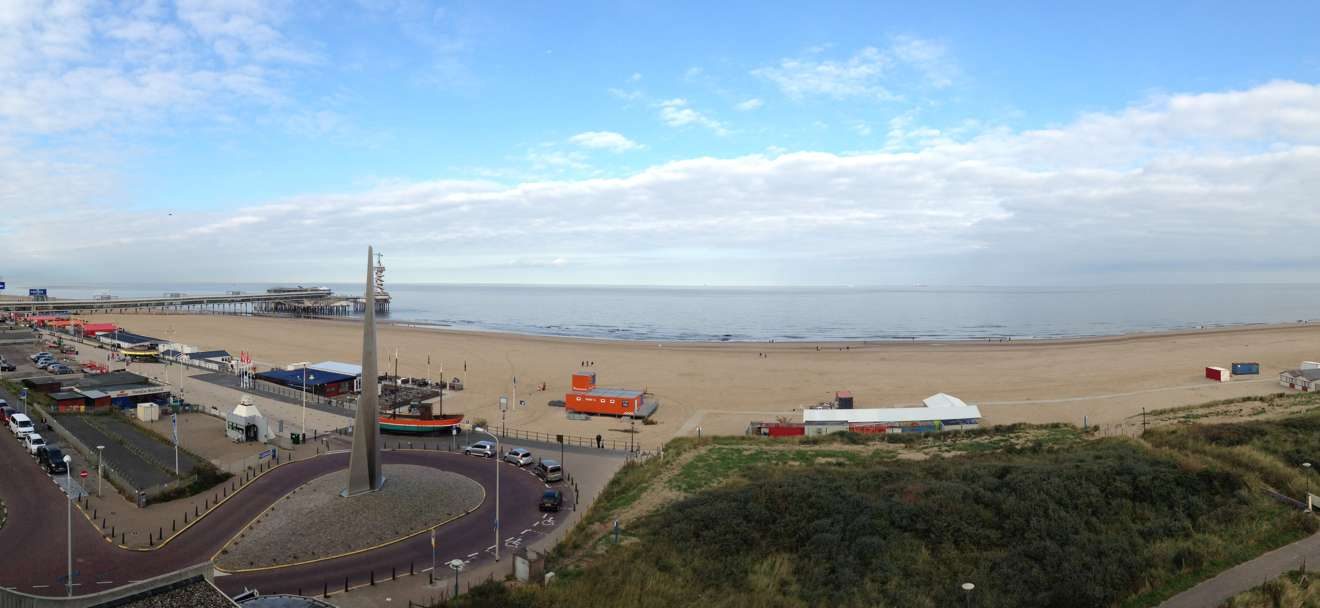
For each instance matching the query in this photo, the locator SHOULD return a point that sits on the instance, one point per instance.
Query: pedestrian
(600, 442)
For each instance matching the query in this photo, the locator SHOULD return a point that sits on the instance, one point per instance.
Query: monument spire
(364, 462)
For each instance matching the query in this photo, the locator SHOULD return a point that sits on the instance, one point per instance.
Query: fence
(117, 481)
(570, 440)
(292, 393)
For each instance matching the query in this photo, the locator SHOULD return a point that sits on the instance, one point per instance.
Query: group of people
(587, 364)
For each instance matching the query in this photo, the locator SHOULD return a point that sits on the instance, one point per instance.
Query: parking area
(132, 466)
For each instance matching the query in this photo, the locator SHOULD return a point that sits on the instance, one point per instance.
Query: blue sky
(544, 142)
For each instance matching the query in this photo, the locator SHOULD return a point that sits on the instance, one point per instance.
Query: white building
(939, 412)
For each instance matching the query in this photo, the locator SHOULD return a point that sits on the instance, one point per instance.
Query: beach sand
(721, 387)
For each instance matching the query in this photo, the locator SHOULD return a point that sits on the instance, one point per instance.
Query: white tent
(246, 423)
(943, 400)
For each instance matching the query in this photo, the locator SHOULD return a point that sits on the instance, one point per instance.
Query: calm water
(835, 313)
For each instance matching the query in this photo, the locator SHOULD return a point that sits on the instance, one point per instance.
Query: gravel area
(194, 595)
(314, 522)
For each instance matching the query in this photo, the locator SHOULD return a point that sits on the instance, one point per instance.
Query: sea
(760, 314)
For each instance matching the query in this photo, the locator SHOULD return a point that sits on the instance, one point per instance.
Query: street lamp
(968, 588)
(1307, 474)
(100, 463)
(457, 566)
(478, 429)
(68, 491)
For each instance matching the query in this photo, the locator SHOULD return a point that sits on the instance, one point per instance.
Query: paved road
(1244, 576)
(37, 524)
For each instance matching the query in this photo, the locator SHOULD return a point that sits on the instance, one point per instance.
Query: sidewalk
(591, 474)
(1244, 576)
(124, 524)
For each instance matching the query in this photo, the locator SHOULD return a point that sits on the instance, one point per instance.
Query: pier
(228, 303)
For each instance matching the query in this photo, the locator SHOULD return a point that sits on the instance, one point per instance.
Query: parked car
(556, 403)
(51, 458)
(552, 500)
(519, 456)
(485, 449)
(32, 441)
(60, 369)
(35, 356)
(69, 349)
(6, 366)
(6, 412)
(549, 470)
(20, 425)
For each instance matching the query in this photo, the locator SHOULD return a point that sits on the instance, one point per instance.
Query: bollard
(394, 573)
(93, 513)
(173, 522)
(431, 579)
(123, 540)
(150, 541)
(102, 523)
(325, 590)
(160, 532)
(373, 578)
(411, 565)
(345, 584)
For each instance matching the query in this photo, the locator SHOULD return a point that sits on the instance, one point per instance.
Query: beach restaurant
(318, 382)
(939, 412)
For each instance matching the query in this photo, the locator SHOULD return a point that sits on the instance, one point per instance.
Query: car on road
(32, 441)
(549, 470)
(552, 500)
(20, 425)
(51, 458)
(519, 457)
(485, 449)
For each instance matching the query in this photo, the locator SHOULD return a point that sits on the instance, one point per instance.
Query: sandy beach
(722, 386)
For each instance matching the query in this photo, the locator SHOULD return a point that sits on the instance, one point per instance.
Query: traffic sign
(37, 292)
(266, 454)
(2, 284)
(83, 474)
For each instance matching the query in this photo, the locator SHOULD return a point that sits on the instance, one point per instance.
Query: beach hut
(246, 423)
(1305, 380)
(1218, 374)
(68, 402)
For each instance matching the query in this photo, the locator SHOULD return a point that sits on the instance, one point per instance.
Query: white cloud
(678, 113)
(604, 140)
(636, 77)
(626, 95)
(749, 105)
(1197, 187)
(869, 72)
(68, 66)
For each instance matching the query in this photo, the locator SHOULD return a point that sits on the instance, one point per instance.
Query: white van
(20, 425)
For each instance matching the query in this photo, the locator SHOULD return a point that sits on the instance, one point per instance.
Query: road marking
(40, 586)
(105, 582)
(526, 531)
(472, 555)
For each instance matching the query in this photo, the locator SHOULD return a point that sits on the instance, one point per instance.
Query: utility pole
(1143, 421)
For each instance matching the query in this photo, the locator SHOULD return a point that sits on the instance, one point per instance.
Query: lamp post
(968, 588)
(457, 566)
(68, 492)
(497, 487)
(100, 462)
(1307, 474)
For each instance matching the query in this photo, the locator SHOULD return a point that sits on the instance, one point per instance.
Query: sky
(660, 143)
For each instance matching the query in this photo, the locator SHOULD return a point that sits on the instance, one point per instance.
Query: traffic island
(314, 523)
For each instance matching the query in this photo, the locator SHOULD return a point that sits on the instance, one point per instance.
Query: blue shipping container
(1246, 369)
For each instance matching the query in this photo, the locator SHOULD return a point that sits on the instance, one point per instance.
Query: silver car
(519, 457)
(485, 449)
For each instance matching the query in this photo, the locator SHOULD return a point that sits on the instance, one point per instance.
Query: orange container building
(586, 398)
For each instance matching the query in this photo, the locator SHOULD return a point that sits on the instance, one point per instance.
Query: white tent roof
(891, 414)
(943, 400)
(245, 409)
(338, 367)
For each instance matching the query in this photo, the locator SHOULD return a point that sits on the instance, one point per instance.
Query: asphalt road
(37, 512)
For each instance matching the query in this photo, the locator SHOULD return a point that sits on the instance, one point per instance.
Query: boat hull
(417, 426)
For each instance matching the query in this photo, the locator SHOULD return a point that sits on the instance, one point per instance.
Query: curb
(348, 554)
(199, 518)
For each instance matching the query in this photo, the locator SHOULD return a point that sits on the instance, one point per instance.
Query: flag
(174, 423)
(433, 539)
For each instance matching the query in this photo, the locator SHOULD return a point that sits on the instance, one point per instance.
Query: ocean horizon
(749, 314)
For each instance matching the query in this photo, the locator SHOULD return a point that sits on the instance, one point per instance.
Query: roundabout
(299, 527)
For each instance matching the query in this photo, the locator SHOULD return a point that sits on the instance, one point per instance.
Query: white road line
(105, 582)
(526, 531)
(40, 586)
(471, 555)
